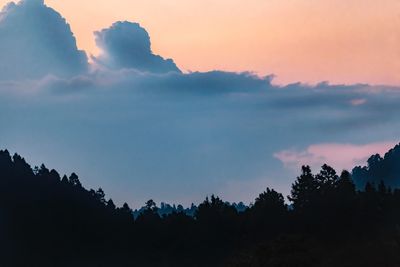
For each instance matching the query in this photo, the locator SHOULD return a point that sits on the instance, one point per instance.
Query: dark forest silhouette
(49, 220)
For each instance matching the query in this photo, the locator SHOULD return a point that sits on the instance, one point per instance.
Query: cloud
(126, 45)
(339, 156)
(180, 137)
(358, 101)
(37, 41)
(141, 129)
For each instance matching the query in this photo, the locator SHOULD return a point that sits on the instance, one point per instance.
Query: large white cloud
(127, 45)
(37, 41)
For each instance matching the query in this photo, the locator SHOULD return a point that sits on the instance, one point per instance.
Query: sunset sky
(229, 98)
(344, 41)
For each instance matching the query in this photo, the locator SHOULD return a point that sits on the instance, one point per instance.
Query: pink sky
(339, 156)
(343, 41)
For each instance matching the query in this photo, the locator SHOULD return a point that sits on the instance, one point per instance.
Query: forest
(350, 218)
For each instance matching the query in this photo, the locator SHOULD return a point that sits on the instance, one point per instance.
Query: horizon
(162, 206)
(155, 108)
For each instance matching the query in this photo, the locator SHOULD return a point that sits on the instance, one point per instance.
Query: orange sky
(343, 41)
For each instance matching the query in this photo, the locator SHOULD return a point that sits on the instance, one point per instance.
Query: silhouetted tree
(346, 187)
(151, 205)
(74, 180)
(304, 190)
(110, 205)
(326, 179)
(101, 196)
(268, 214)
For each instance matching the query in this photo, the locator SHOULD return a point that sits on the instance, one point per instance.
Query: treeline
(379, 169)
(49, 220)
(166, 209)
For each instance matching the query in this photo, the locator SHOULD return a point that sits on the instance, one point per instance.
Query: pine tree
(304, 190)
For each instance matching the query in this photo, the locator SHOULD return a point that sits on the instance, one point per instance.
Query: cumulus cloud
(37, 41)
(339, 156)
(127, 45)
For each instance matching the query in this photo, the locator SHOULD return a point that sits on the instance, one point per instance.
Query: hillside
(49, 220)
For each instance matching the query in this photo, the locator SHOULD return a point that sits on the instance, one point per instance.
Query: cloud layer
(179, 137)
(127, 45)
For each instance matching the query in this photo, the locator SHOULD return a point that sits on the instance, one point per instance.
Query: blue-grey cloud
(178, 137)
(127, 45)
(37, 41)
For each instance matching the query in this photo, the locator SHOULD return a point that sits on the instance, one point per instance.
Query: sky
(342, 41)
(177, 100)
